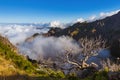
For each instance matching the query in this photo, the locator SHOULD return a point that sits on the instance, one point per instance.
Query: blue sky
(24, 11)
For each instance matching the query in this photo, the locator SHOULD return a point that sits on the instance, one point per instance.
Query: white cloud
(48, 47)
(103, 14)
(81, 20)
(58, 24)
(18, 33)
(55, 24)
(94, 17)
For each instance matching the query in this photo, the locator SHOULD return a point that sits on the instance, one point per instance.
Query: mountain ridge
(108, 29)
(111, 22)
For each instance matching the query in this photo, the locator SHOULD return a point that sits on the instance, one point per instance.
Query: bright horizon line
(69, 21)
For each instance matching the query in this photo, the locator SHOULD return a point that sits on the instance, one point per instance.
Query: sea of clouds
(40, 47)
(43, 47)
(17, 33)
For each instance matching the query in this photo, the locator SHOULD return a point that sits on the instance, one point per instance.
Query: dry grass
(7, 68)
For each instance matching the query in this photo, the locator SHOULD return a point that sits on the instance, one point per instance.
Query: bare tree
(90, 47)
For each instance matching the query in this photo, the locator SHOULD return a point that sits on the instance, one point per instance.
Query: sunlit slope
(14, 65)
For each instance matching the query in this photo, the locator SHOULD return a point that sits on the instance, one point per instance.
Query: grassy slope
(14, 65)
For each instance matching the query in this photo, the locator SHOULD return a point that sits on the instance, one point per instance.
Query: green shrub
(102, 75)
